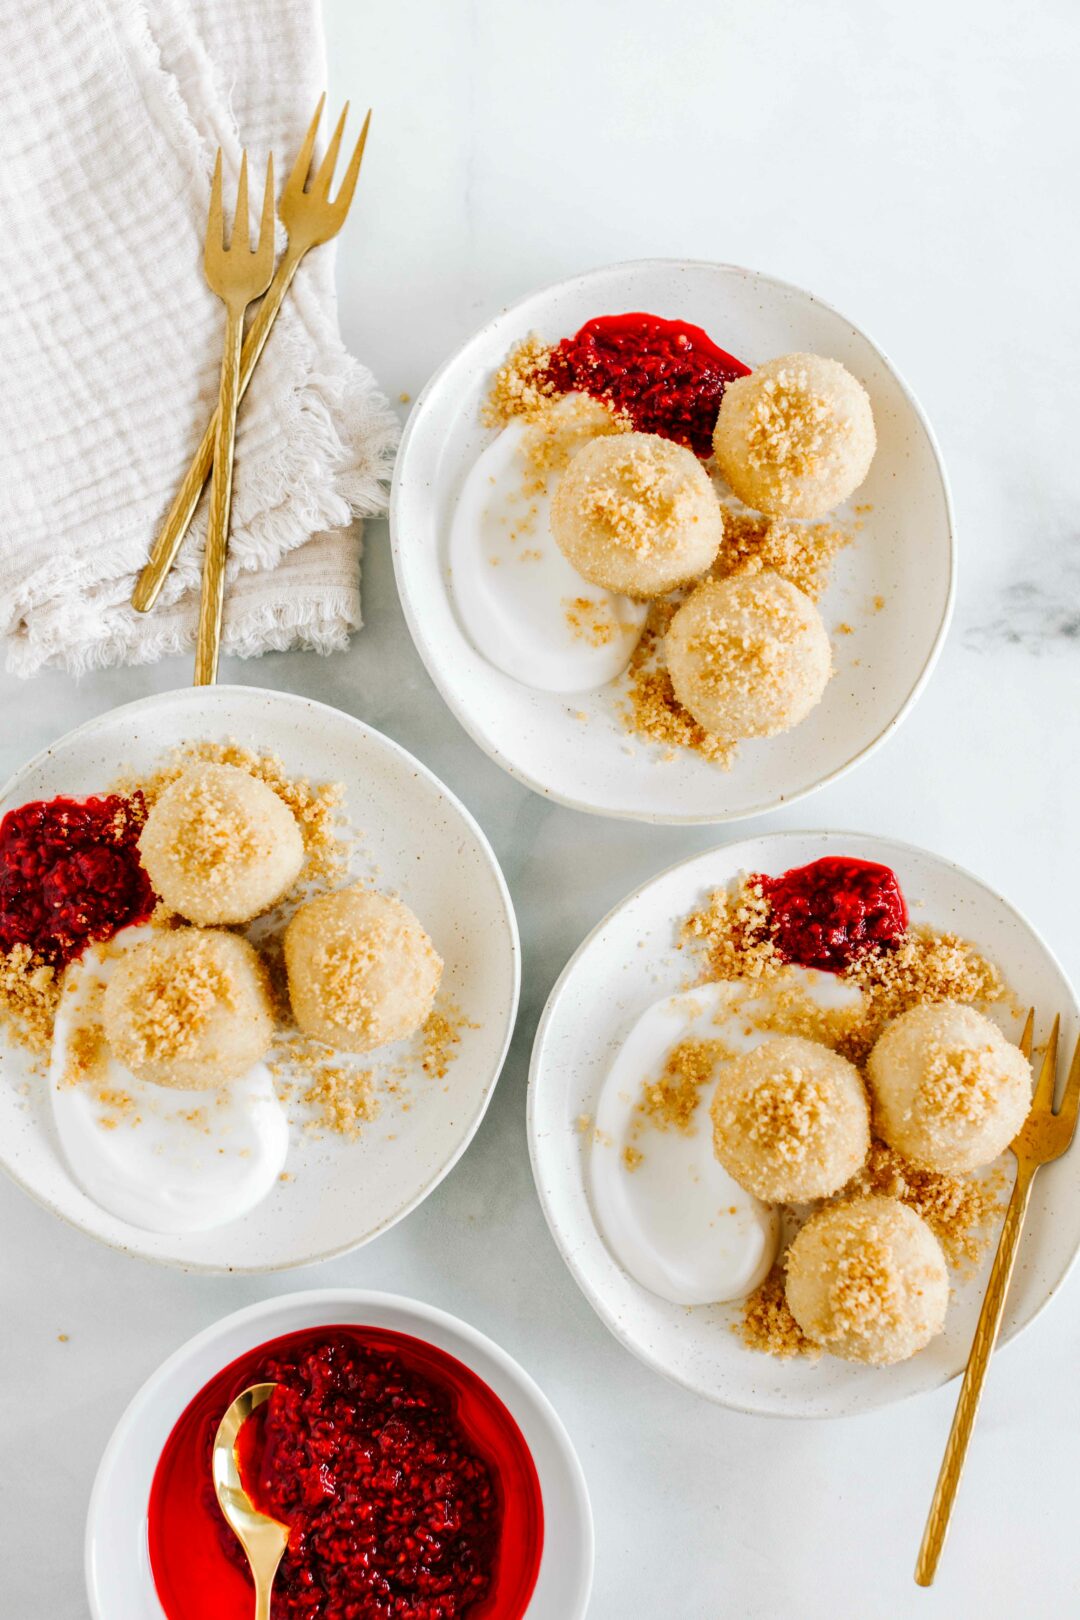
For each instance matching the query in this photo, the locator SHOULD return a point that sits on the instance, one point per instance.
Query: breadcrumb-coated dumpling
(362, 970)
(796, 437)
(790, 1120)
(189, 1008)
(748, 656)
(950, 1092)
(219, 846)
(636, 514)
(867, 1281)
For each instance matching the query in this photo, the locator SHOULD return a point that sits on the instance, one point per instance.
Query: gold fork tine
(1070, 1102)
(1027, 1037)
(348, 184)
(265, 245)
(240, 235)
(215, 224)
(309, 219)
(1044, 1090)
(320, 186)
(298, 174)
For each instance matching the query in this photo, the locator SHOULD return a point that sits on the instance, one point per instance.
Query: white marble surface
(916, 164)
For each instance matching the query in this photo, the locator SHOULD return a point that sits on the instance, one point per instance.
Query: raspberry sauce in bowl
(408, 1488)
(829, 913)
(667, 376)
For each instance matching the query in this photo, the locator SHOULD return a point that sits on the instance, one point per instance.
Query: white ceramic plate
(118, 1577)
(904, 555)
(628, 962)
(417, 840)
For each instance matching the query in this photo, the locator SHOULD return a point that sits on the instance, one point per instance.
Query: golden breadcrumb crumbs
(87, 1054)
(181, 994)
(957, 1208)
(863, 1293)
(767, 1324)
(652, 711)
(638, 506)
(583, 1124)
(29, 996)
(439, 1036)
(958, 1084)
(557, 429)
(670, 1102)
(789, 1110)
(791, 428)
(521, 384)
(590, 621)
(316, 806)
(342, 1098)
(631, 1156)
(801, 553)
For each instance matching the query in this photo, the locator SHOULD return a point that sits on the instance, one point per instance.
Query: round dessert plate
(629, 961)
(118, 1576)
(892, 589)
(414, 838)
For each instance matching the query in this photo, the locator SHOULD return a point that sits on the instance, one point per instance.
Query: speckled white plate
(419, 841)
(118, 1578)
(629, 961)
(904, 555)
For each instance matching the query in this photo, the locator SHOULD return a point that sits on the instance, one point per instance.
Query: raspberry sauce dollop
(70, 874)
(833, 911)
(667, 376)
(408, 1488)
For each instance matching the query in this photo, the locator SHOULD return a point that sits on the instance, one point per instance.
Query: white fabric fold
(110, 340)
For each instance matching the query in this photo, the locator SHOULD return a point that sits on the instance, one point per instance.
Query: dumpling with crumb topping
(949, 1091)
(796, 437)
(189, 1008)
(790, 1120)
(636, 514)
(748, 656)
(219, 846)
(362, 970)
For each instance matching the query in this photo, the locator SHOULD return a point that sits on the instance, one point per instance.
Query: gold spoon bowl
(263, 1539)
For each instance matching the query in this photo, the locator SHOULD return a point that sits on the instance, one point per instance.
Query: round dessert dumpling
(867, 1281)
(636, 514)
(790, 1120)
(748, 656)
(189, 1008)
(796, 437)
(949, 1091)
(362, 970)
(219, 846)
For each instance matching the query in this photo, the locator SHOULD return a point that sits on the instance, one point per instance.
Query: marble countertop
(916, 166)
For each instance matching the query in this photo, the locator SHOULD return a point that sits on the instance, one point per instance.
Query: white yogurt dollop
(514, 589)
(677, 1222)
(194, 1160)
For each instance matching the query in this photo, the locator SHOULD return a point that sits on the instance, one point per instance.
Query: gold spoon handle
(262, 1597)
(993, 1308)
(163, 552)
(217, 531)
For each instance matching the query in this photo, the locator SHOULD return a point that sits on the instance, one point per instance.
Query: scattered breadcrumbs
(439, 1036)
(957, 1209)
(29, 996)
(730, 935)
(590, 621)
(670, 1102)
(768, 1325)
(121, 1106)
(175, 999)
(651, 709)
(800, 553)
(792, 428)
(342, 1098)
(87, 1054)
(631, 1156)
(557, 429)
(521, 385)
(316, 806)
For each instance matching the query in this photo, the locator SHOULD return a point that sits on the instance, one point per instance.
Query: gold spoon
(262, 1538)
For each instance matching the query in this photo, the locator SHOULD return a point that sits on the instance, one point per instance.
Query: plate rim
(292, 699)
(607, 1317)
(424, 645)
(359, 1299)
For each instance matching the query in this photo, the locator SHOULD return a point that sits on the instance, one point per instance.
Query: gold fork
(237, 273)
(310, 219)
(1043, 1136)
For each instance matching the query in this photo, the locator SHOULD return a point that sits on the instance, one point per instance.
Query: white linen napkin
(110, 340)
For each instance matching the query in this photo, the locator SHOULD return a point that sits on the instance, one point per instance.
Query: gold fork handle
(217, 530)
(952, 1463)
(163, 552)
(262, 1598)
